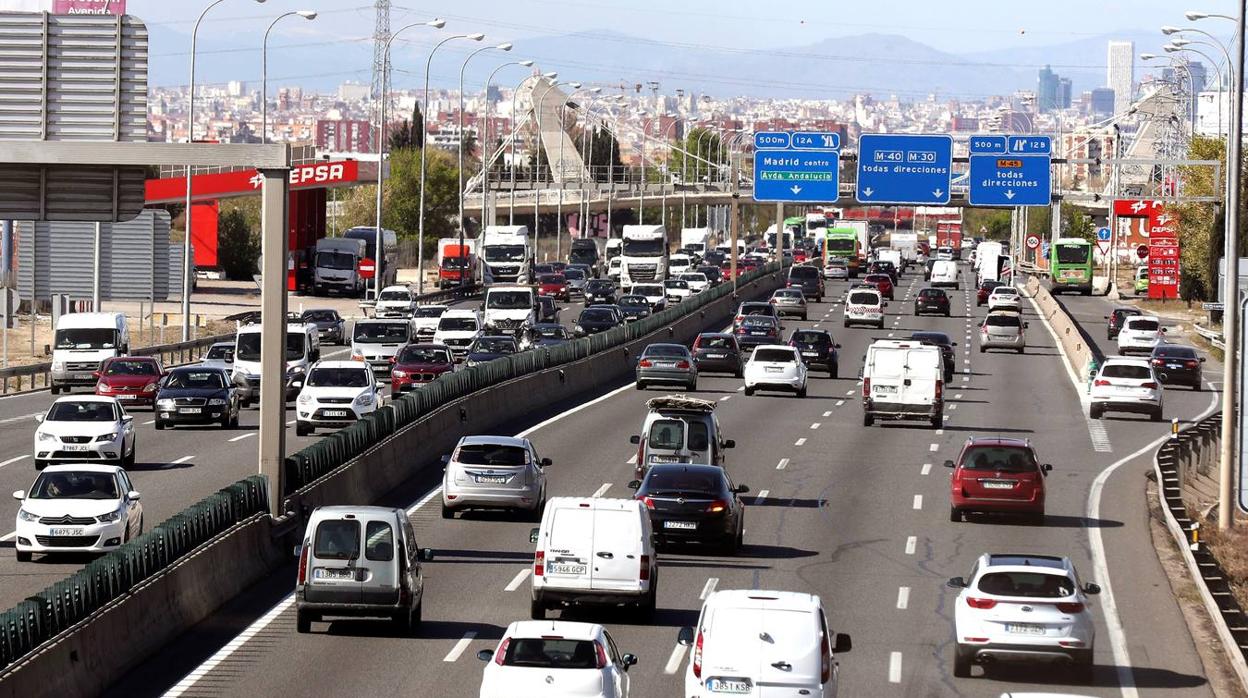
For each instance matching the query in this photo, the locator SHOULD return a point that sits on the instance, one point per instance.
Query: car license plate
(998, 485)
(884, 388)
(757, 333)
(1174, 366)
(66, 531)
(565, 568)
(491, 479)
(1024, 628)
(664, 459)
(683, 525)
(813, 354)
(729, 685)
(716, 356)
(337, 573)
(84, 376)
(123, 396)
(335, 413)
(190, 410)
(773, 369)
(77, 447)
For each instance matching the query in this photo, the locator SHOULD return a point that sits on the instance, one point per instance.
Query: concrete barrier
(1076, 349)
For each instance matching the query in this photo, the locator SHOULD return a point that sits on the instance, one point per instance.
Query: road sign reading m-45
(1010, 170)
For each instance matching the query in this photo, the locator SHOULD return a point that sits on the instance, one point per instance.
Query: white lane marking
(903, 598)
(894, 667)
(518, 580)
(784, 463)
(291, 423)
(829, 412)
(1100, 437)
(953, 407)
(911, 543)
(850, 392)
(150, 421)
(240, 437)
(918, 501)
(940, 432)
(725, 398)
(800, 442)
(183, 459)
(709, 587)
(959, 395)
(14, 459)
(761, 496)
(840, 402)
(890, 334)
(632, 460)
(927, 469)
(741, 389)
(935, 447)
(817, 324)
(966, 379)
(815, 425)
(675, 660)
(601, 490)
(460, 646)
(9, 535)
(20, 418)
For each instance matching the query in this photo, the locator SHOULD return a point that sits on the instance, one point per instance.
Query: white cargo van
(303, 348)
(509, 309)
(82, 341)
(945, 273)
(903, 380)
(592, 550)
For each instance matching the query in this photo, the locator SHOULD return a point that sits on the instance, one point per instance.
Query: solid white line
(709, 587)
(800, 442)
(8, 535)
(460, 646)
(240, 437)
(725, 398)
(815, 425)
(935, 447)
(183, 459)
(741, 389)
(911, 543)
(291, 423)
(20, 418)
(903, 598)
(762, 494)
(632, 460)
(601, 490)
(675, 660)
(784, 463)
(14, 460)
(517, 580)
(927, 468)
(918, 501)
(894, 667)
(199, 672)
(150, 421)
(574, 410)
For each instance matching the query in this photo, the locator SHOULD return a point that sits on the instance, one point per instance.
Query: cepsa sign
(247, 182)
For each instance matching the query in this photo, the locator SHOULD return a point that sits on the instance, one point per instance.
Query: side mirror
(19, 494)
(485, 655)
(426, 555)
(843, 644)
(533, 535)
(1202, 359)
(956, 583)
(1091, 588)
(1047, 467)
(296, 384)
(127, 418)
(836, 346)
(730, 443)
(1026, 325)
(955, 344)
(685, 636)
(298, 551)
(634, 439)
(949, 464)
(634, 484)
(629, 660)
(741, 489)
(133, 496)
(546, 462)
(1163, 330)
(39, 418)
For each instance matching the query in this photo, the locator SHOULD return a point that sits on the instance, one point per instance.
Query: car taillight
(716, 507)
(602, 655)
(1070, 607)
(1158, 362)
(974, 602)
(697, 343)
(1191, 364)
(539, 563)
(739, 318)
(501, 652)
(303, 564)
(697, 656)
(645, 363)
(1100, 382)
(647, 501)
(940, 389)
(682, 364)
(1150, 385)
(825, 659)
(644, 573)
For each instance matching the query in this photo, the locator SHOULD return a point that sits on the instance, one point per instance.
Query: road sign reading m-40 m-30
(801, 167)
(900, 168)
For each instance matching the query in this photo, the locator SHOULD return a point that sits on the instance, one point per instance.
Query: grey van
(679, 429)
(359, 561)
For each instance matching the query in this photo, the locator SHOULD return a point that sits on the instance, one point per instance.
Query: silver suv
(1002, 329)
(494, 472)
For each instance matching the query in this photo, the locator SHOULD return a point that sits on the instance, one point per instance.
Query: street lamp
(190, 138)
(587, 151)
(462, 68)
(485, 164)
(420, 225)
(264, 70)
(1192, 16)
(666, 135)
(537, 193)
(511, 208)
(563, 118)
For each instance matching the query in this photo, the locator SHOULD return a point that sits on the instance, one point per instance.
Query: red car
(555, 286)
(884, 282)
(417, 364)
(133, 380)
(985, 290)
(997, 475)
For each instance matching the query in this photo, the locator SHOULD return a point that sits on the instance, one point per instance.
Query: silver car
(1002, 329)
(494, 472)
(836, 268)
(789, 301)
(576, 279)
(667, 363)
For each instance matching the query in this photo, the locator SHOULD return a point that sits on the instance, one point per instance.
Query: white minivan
(945, 273)
(596, 551)
(303, 348)
(903, 380)
(81, 343)
(750, 642)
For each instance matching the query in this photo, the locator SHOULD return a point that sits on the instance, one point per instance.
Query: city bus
(793, 228)
(843, 242)
(1070, 262)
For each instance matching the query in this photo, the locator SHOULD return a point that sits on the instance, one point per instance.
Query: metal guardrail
(1213, 336)
(1198, 447)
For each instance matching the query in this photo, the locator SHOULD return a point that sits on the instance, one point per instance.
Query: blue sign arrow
(1010, 180)
(805, 140)
(771, 140)
(1103, 234)
(904, 169)
(803, 176)
(1031, 145)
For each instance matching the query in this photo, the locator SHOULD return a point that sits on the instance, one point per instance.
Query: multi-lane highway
(857, 515)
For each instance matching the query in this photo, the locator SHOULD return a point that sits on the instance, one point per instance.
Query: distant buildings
(1120, 73)
(1048, 87)
(1102, 101)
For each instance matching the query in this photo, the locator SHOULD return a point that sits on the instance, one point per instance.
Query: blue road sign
(1103, 234)
(805, 140)
(771, 140)
(806, 176)
(988, 145)
(1031, 145)
(1010, 180)
(904, 169)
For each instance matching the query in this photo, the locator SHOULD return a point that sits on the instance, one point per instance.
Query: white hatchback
(554, 659)
(77, 508)
(775, 367)
(1005, 298)
(1126, 385)
(84, 428)
(1140, 333)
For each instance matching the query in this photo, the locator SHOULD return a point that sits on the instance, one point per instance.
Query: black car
(942, 340)
(714, 258)
(595, 320)
(539, 269)
(634, 307)
(329, 325)
(197, 395)
(1178, 363)
(1116, 320)
(548, 334)
(754, 330)
(491, 347)
(718, 351)
(884, 268)
(817, 349)
(693, 504)
(714, 275)
(599, 291)
(931, 300)
(927, 268)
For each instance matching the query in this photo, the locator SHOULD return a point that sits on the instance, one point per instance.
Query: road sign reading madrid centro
(800, 167)
(1010, 170)
(898, 168)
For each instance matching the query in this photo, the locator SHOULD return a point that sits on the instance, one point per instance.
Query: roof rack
(680, 402)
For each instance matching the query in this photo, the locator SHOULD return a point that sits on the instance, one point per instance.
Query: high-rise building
(1064, 93)
(1120, 73)
(1102, 101)
(1047, 83)
(235, 88)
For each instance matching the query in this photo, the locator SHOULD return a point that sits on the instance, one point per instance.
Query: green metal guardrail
(41, 617)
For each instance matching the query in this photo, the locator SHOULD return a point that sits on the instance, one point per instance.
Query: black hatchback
(599, 291)
(718, 351)
(594, 320)
(693, 504)
(1178, 364)
(634, 307)
(1117, 318)
(942, 340)
(931, 300)
(817, 348)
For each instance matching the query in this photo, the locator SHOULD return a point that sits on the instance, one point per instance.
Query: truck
(507, 253)
(585, 251)
(792, 230)
(457, 263)
(368, 265)
(614, 245)
(695, 240)
(336, 267)
(643, 256)
(816, 223)
(843, 243)
(989, 260)
(907, 243)
(949, 234)
(862, 231)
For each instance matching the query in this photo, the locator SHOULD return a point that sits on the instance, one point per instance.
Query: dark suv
(807, 278)
(599, 291)
(817, 348)
(1177, 363)
(1116, 320)
(931, 300)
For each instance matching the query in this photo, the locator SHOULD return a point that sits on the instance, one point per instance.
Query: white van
(81, 343)
(592, 550)
(945, 273)
(458, 329)
(864, 306)
(303, 348)
(378, 341)
(750, 642)
(359, 561)
(903, 380)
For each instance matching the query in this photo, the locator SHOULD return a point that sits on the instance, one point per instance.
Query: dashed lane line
(934, 448)
(912, 542)
(725, 398)
(675, 660)
(840, 402)
(240, 437)
(15, 459)
(762, 496)
(894, 667)
(601, 490)
(926, 469)
(183, 459)
(815, 425)
(709, 587)
(460, 646)
(800, 442)
(518, 580)
(918, 501)
(903, 598)
(829, 412)
(784, 463)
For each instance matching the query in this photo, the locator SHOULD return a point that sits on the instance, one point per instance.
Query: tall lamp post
(667, 134)
(264, 69)
(463, 277)
(485, 163)
(537, 193)
(511, 208)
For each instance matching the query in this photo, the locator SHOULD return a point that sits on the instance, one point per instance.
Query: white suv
(335, 394)
(1140, 333)
(546, 658)
(1023, 607)
(1126, 385)
(394, 301)
(775, 367)
(1005, 298)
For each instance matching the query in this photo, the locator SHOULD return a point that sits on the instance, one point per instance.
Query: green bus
(1070, 263)
(842, 242)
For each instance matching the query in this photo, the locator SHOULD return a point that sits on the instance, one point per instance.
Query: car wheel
(693, 386)
(649, 604)
(1021, 350)
(801, 392)
(947, 314)
(302, 429)
(833, 370)
(868, 420)
(749, 391)
(1197, 386)
(955, 514)
(537, 609)
(641, 385)
(961, 663)
(740, 373)
(447, 512)
(1096, 411)
(303, 622)
(1036, 519)
(127, 461)
(225, 420)
(159, 425)
(982, 349)
(847, 323)
(916, 311)
(1156, 416)
(56, 389)
(938, 421)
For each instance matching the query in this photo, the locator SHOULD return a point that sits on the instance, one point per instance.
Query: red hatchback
(884, 282)
(997, 475)
(133, 380)
(553, 285)
(417, 364)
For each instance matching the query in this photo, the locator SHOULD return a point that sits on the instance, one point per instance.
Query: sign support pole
(95, 270)
(777, 253)
(274, 241)
(1230, 319)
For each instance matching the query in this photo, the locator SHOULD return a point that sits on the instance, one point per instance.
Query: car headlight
(109, 517)
(165, 403)
(305, 398)
(103, 387)
(364, 399)
(294, 371)
(216, 401)
(106, 437)
(149, 388)
(44, 436)
(26, 515)
(58, 365)
(398, 373)
(578, 328)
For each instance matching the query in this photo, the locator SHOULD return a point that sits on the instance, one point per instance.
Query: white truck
(336, 266)
(907, 243)
(82, 342)
(695, 240)
(988, 257)
(507, 253)
(509, 308)
(643, 257)
(903, 380)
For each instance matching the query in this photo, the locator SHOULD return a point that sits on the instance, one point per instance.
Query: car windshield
(681, 481)
(196, 380)
(395, 296)
(932, 293)
(125, 367)
(804, 273)
(695, 278)
(648, 290)
(249, 346)
(643, 248)
(574, 275)
(1029, 584)
(817, 338)
(424, 355)
(773, 355)
(75, 485)
(757, 309)
(583, 255)
(491, 454)
(1003, 458)
(93, 411)
(705, 342)
(454, 262)
(428, 312)
(864, 299)
(931, 337)
(676, 283)
(504, 253)
(552, 278)
(508, 300)
(633, 301)
(1143, 325)
(599, 286)
(327, 377)
(1005, 291)
(1003, 321)
(552, 332)
(335, 260)
(990, 285)
(320, 316)
(495, 345)
(1132, 371)
(457, 324)
(665, 350)
(550, 653)
(382, 332)
(86, 338)
(787, 293)
(596, 315)
(221, 352)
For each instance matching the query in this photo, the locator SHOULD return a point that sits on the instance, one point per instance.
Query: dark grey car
(718, 351)
(330, 326)
(667, 363)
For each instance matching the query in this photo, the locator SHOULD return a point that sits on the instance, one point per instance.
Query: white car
(677, 290)
(553, 659)
(458, 329)
(1005, 298)
(613, 269)
(864, 306)
(1025, 608)
(425, 320)
(1126, 385)
(697, 281)
(775, 367)
(77, 508)
(836, 268)
(655, 295)
(1140, 333)
(84, 428)
(678, 264)
(335, 394)
(394, 301)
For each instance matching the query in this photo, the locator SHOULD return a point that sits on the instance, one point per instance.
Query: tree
(699, 153)
(238, 245)
(401, 137)
(418, 127)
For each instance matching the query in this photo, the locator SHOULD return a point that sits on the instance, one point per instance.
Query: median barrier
(1078, 352)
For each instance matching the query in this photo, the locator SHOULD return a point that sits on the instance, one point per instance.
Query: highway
(174, 468)
(857, 515)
